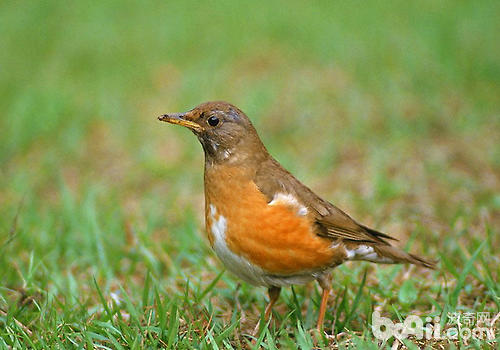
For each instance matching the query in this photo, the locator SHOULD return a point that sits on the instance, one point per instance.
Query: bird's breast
(254, 235)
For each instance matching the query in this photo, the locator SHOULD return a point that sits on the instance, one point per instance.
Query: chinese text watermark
(466, 325)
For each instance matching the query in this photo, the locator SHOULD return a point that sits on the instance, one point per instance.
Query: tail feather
(397, 255)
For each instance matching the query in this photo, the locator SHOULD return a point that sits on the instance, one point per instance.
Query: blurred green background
(390, 109)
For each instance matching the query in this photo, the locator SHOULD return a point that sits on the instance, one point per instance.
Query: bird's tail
(385, 254)
(394, 255)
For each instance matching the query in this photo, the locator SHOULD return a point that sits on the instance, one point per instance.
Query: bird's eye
(213, 121)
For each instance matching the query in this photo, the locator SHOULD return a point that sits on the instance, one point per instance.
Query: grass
(388, 109)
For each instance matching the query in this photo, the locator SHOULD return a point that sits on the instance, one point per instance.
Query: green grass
(388, 109)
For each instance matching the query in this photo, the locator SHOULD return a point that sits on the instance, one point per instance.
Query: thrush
(265, 226)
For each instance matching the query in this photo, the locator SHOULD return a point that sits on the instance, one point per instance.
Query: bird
(265, 226)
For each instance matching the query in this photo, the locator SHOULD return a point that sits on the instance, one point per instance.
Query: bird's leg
(274, 293)
(325, 282)
(322, 309)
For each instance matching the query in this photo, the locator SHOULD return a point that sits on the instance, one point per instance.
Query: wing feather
(271, 178)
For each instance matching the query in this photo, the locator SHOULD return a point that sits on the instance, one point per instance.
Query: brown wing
(271, 178)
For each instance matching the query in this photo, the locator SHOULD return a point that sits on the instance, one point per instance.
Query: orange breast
(275, 238)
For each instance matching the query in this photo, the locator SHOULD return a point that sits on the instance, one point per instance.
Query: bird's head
(225, 132)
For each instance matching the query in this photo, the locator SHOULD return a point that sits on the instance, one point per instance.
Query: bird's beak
(181, 119)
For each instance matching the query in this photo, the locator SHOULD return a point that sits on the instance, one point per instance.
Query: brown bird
(265, 226)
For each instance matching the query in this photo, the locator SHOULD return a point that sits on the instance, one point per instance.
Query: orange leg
(274, 293)
(325, 283)
(322, 309)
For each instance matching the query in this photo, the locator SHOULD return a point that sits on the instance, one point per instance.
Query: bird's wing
(272, 179)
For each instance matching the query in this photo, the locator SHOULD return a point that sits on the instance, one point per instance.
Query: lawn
(388, 109)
